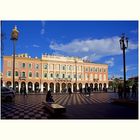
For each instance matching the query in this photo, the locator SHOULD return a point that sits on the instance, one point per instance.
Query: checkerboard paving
(31, 107)
(23, 111)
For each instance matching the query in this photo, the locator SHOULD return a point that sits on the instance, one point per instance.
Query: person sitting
(49, 97)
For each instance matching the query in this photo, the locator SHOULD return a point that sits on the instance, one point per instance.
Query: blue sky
(97, 41)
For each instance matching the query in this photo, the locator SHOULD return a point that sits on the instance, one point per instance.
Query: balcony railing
(63, 79)
(22, 78)
(95, 80)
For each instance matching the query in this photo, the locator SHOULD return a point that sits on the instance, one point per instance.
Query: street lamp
(14, 37)
(76, 73)
(123, 46)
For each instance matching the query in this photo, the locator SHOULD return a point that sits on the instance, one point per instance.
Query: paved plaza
(78, 106)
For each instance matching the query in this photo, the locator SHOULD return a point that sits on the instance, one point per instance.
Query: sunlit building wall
(54, 72)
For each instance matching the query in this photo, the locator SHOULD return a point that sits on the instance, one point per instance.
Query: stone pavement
(79, 106)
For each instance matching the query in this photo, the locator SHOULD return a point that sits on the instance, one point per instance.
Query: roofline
(22, 57)
(40, 59)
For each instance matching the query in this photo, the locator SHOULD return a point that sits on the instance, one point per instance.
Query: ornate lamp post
(14, 37)
(123, 46)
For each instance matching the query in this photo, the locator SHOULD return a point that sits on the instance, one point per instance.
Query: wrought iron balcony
(22, 78)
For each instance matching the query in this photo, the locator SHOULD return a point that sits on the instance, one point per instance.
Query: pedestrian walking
(23, 91)
(80, 90)
(69, 91)
(89, 90)
(127, 91)
(85, 89)
(133, 91)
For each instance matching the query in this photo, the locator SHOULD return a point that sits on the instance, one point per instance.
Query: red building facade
(54, 72)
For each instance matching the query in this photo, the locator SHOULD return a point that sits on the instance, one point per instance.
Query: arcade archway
(64, 87)
(45, 87)
(36, 87)
(17, 87)
(74, 87)
(91, 86)
(57, 87)
(30, 87)
(100, 87)
(52, 87)
(96, 87)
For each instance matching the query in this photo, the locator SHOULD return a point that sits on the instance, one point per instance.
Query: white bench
(54, 108)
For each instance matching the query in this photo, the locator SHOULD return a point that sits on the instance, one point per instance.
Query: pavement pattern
(79, 106)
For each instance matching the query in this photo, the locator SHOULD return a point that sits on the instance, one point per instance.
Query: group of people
(127, 91)
(87, 90)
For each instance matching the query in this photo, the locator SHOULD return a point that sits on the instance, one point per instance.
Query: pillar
(72, 87)
(106, 85)
(77, 86)
(48, 86)
(98, 86)
(60, 87)
(33, 87)
(19, 86)
(26, 87)
(54, 88)
(41, 87)
(11, 85)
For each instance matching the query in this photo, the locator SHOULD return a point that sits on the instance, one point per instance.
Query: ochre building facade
(54, 72)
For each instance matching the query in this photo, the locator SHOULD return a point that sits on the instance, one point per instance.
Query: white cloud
(129, 68)
(85, 58)
(110, 62)
(112, 76)
(42, 32)
(134, 31)
(36, 46)
(94, 49)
